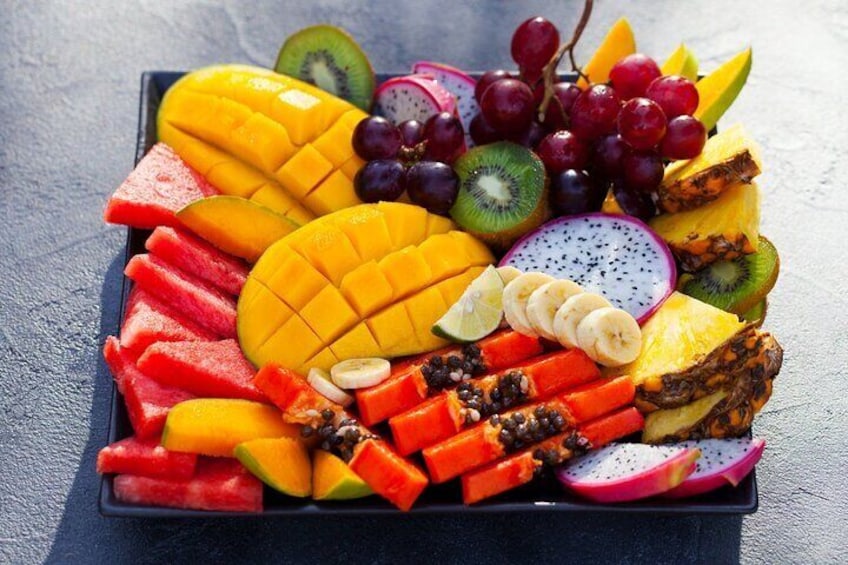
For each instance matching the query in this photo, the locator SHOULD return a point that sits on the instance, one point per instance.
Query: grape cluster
(413, 157)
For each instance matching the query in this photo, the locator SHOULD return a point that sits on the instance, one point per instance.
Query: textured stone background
(69, 74)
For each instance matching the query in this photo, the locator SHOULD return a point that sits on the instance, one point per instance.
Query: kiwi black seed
(329, 58)
(501, 191)
(737, 285)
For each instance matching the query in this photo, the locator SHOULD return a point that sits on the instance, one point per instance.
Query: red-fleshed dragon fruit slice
(412, 97)
(722, 462)
(616, 256)
(622, 472)
(460, 85)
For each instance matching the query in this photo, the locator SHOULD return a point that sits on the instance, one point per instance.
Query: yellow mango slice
(335, 143)
(358, 342)
(330, 194)
(235, 225)
(368, 233)
(215, 426)
(407, 225)
(352, 166)
(618, 43)
(329, 251)
(293, 343)
(393, 330)
(719, 89)
(295, 281)
(406, 270)
(329, 314)
(367, 289)
(281, 463)
(273, 196)
(332, 479)
(304, 171)
(253, 332)
(324, 358)
(682, 62)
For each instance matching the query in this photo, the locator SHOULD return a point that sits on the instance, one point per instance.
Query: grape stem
(549, 73)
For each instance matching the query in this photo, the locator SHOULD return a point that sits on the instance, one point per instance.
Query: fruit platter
(436, 291)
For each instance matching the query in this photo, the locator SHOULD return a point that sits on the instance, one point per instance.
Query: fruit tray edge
(439, 499)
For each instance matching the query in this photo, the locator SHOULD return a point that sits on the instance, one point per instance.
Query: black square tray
(542, 495)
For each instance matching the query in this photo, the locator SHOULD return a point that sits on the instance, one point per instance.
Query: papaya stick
(388, 474)
(451, 411)
(521, 468)
(412, 381)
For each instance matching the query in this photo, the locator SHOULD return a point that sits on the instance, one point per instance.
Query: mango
(618, 43)
(281, 463)
(682, 62)
(719, 89)
(332, 479)
(215, 426)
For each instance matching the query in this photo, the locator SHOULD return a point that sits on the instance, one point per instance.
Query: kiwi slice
(757, 314)
(329, 58)
(736, 285)
(501, 191)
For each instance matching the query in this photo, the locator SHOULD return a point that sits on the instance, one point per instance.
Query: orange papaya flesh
(387, 473)
(291, 393)
(499, 477)
(598, 398)
(432, 422)
(613, 426)
(408, 385)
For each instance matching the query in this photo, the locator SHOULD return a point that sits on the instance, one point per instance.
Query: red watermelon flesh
(197, 300)
(198, 258)
(218, 484)
(145, 457)
(214, 369)
(149, 320)
(148, 402)
(159, 185)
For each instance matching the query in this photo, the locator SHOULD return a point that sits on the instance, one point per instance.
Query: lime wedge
(478, 311)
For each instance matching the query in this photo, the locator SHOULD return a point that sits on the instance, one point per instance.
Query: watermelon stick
(476, 399)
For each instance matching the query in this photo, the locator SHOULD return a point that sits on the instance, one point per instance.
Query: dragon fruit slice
(722, 462)
(617, 256)
(621, 472)
(412, 97)
(460, 85)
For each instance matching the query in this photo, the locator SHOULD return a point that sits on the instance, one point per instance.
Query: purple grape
(433, 185)
(575, 192)
(445, 138)
(383, 179)
(632, 202)
(609, 154)
(481, 132)
(411, 132)
(642, 170)
(376, 138)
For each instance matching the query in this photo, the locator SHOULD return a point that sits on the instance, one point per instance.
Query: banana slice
(515, 297)
(360, 373)
(610, 336)
(571, 312)
(319, 379)
(544, 303)
(508, 273)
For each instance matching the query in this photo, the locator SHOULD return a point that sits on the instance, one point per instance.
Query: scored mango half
(265, 137)
(366, 281)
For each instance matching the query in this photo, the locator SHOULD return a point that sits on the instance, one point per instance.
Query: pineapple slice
(728, 158)
(721, 230)
(673, 422)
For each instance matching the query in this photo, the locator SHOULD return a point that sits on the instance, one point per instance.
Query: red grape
(641, 123)
(594, 112)
(608, 156)
(530, 137)
(634, 203)
(376, 138)
(631, 75)
(575, 192)
(685, 138)
(534, 43)
(481, 132)
(433, 185)
(508, 105)
(383, 179)
(676, 95)
(445, 137)
(563, 150)
(412, 132)
(557, 115)
(642, 170)
(485, 81)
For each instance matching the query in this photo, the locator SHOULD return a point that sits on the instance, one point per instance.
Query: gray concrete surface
(69, 74)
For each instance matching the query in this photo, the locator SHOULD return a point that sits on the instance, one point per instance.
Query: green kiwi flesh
(757, 314)
(329, 58)
(737, 285)
(500, 186)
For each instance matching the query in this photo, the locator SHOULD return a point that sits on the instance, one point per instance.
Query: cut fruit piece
(457, 83)
(757, 314)
(568, 316)
(332, 479)
(215, 426)
(360, 373)
(501, 192)
(617, 44)
(218, 485)
(329, 58)
(320, 380)
(478, 311)
(146, 458)
(673, 423)
(737, 285)
(388, 474)
(281, 463)
(682, 62)
(722, 462)
(543, 304)
(610, 336)
(719, 89)
(724, 229)
(235, 225)
(508, 273)
(727, 159)
(412, 97)
(516, 295)
(148, 320)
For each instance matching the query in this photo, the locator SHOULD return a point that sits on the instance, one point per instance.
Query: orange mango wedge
(618, 43)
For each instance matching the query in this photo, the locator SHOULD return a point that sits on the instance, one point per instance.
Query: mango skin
(281, 463)
(719, 89)
(332, 479)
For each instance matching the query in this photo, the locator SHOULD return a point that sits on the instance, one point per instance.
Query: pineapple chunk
(674, 422)
(728, 158)
(721, 230)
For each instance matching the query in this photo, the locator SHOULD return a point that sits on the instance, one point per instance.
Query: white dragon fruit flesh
(460, 85)
(722, 462)
(616, 256)
(412, 97)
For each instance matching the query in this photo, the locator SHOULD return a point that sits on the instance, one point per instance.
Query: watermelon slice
(215, 369)
(196, 299)
(159, 185)
(148, 402)
(145, 457)
(218, 484)
(198, 258)
(149, 320)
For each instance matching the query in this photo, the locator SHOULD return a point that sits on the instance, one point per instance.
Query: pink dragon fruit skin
(625, 472)
(460, 85)
(723, 462)
(412, 97)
